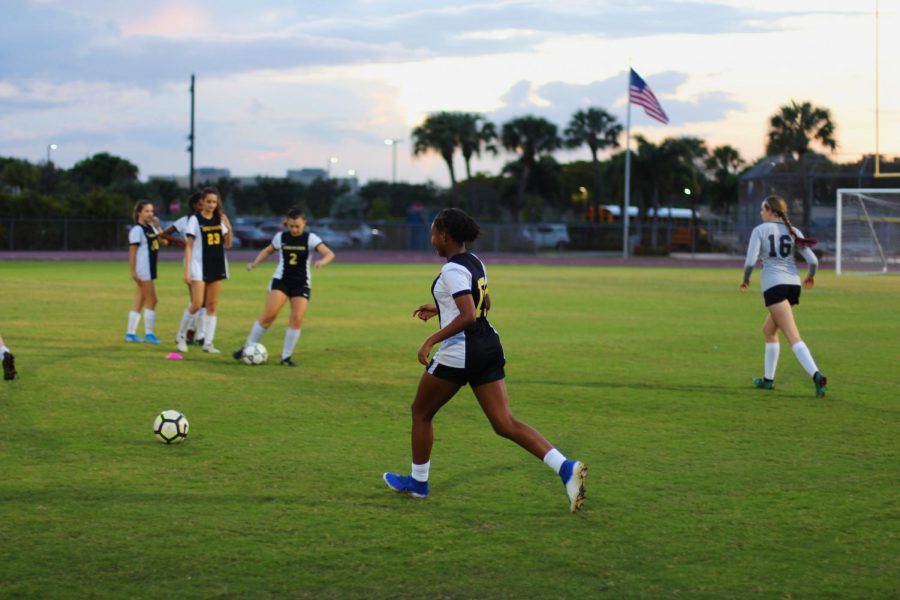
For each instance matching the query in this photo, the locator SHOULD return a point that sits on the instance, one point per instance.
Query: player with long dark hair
(292, 281)
(208, 235)
(774, 242)
(470, 353)
(143, 247)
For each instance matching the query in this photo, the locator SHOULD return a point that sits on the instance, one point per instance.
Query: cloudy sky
(288, 84)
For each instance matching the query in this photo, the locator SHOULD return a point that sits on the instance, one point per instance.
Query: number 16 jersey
(772, 242)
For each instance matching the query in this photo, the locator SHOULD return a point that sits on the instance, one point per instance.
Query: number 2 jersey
(208, 262)
(295, 256)
(465, 274)
(146, 238)
(772, 242)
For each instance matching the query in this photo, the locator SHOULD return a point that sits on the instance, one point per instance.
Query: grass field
(698, 486)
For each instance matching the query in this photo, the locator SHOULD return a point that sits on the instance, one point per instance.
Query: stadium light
(331, 161)
(393, 144)
(49, 148)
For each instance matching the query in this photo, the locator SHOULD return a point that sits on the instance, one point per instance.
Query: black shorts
(780, 293)
(486, 372)
(289, 288)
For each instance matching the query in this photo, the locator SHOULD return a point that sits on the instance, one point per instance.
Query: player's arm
(188, 254)
(229, 237)
(263, 255)
(466, 318)
(812, 265)
(752, 256)
(327, 255)
(425, 311)
(132, 260)
(167, 234)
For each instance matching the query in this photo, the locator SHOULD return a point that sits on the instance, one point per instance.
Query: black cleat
(9, 366)
(818, 378)
(199, 342)
(189, 337)
(238, 354)
(287, 362)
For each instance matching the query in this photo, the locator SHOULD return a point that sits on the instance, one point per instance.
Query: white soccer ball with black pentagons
(255, 354)
(170, 427)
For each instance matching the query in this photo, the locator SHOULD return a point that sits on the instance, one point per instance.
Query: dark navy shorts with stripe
(780, 293)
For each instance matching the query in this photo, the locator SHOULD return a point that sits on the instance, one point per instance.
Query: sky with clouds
(286, 84)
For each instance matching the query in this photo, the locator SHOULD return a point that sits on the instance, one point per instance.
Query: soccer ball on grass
(255, 354)
(170, 427)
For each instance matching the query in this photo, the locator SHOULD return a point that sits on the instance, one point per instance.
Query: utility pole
(190, 147)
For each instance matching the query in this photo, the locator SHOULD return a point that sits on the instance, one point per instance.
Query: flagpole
(627, 203)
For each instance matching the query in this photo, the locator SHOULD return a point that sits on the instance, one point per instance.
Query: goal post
(867, 230)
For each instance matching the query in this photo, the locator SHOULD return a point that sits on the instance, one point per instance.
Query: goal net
(867, 230)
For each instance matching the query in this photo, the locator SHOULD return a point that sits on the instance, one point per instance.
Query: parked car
(251, 236)
(362, 235)
(332, 237)
(547, 235)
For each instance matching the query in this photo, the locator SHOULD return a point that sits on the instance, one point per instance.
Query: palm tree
(439, 133)
(795, 125)
(475, 132)
(724, 164)
(529, 137)
(792, 129)
(599, 130)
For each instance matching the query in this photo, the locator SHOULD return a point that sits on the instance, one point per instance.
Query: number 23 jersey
(208, 262)
(772, 242)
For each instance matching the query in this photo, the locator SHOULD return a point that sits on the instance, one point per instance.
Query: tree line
(532, 186)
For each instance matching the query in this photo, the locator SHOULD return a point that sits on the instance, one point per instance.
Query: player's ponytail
(778, 207)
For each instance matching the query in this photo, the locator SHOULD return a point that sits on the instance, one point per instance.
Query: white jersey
(463, 274)
(772, 242)
(146, 238)
(180, 224)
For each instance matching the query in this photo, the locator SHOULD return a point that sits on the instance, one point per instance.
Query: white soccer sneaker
(572, 474)
(211, 349)
(180, 343)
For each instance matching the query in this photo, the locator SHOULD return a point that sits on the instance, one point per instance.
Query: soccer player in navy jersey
(208, 234)
(143, 247)
(774, 242)
(292, 281)
(470, 353)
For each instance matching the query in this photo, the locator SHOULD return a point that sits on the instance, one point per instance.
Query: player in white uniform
(9, 361)
(208, 235)
(774, 241)
(194, 330)
(143, 247)
(292, 281)
(470, 353)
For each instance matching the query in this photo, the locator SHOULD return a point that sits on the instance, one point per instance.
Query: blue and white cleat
(151, 339)
(131, 337)
(405, 484)
(572, 474)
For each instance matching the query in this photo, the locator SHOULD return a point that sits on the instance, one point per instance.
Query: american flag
(641, 94)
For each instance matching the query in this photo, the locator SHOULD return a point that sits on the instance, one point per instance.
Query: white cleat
(572, 475)
(180, 343)
(209, 348)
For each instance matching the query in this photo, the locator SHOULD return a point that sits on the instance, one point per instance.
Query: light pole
(49, 148)
(687, 192)
(331, 161)
(393, 144)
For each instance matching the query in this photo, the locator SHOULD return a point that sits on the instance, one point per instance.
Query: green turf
(699, 485)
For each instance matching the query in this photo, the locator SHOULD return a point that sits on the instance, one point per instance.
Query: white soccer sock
(209, 329)
(291, 337)
(185, 323)
(805, 357)
(4, 350)
(149, 320)
(772, 352)
(554, 459)
(133, 320)
(256, 333)
(420, 472)
(199, 324)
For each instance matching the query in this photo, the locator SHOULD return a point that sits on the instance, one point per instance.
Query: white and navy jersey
(146, 238)
(180, 224)
(772, 242)
(463, 274)
(208, 262)
(295, 256)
